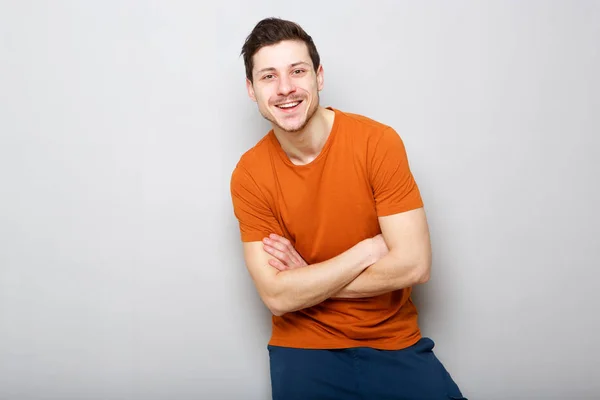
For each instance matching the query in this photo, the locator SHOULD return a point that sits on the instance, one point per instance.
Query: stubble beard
(311, 113)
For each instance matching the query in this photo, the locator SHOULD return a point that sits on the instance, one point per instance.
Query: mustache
(288, 100)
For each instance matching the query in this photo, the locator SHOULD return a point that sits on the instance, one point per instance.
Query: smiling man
(334, 235)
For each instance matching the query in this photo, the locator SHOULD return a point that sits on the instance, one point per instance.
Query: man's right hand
(286, 256)
(301, 287)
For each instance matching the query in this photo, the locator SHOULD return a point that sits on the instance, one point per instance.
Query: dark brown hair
(271, 31)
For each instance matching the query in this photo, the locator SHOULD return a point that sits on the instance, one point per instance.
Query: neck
(302, 147)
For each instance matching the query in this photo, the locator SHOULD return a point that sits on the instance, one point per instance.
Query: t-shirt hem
(385, 211)
(254, 237)
(396, 344)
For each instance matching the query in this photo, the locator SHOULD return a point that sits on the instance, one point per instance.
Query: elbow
(276, 306)
(423, 278)
(278, 312)
(274, 297)
(423, 273)
(423, 269)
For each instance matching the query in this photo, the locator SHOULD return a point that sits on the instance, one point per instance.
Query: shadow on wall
(249, 312)
(422, 300)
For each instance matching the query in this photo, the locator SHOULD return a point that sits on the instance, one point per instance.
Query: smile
(289, 106)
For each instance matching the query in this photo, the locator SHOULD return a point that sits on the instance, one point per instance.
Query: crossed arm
(400, 257)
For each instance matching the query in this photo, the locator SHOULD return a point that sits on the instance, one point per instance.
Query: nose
(286, 86)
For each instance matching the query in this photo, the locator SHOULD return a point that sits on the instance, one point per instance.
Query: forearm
(304, 287)
(392, 272)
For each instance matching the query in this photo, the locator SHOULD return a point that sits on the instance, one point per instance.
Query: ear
(250, 90)
(320, 78)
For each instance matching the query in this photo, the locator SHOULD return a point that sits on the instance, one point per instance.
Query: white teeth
(289, 105)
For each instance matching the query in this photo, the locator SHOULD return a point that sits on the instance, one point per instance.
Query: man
(334, 236)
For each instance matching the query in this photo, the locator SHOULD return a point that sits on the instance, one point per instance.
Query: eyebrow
(291, 66)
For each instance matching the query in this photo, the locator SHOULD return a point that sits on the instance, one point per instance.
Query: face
(286, 86)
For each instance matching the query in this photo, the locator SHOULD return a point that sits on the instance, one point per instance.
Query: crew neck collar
(323, 151)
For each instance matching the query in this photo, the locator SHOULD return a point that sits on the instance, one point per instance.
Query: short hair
(271, 31)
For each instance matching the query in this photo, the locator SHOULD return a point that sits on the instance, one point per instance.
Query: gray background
(121, 274)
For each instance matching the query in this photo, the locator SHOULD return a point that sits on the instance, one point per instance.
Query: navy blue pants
(360, 374)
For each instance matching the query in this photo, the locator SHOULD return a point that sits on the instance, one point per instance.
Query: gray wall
(121, 274)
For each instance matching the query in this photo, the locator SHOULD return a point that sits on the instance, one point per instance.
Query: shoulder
(252, 162)
(370, 129)
(363, 121)
(256, 157)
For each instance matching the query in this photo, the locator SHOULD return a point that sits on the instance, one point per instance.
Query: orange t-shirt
(324, 208)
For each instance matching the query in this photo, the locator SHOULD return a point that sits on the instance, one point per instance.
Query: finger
(280, 246)
(283, 255)
(278, 238)
(274, 237)
(291, 256)
(289, 248)
(274, 252)
(294, 259)
(276, 244)
(285, 258)
(284, 245)
(277, 264)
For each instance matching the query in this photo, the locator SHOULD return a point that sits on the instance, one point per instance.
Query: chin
(288, 124)
(293, 127)
(296, 125)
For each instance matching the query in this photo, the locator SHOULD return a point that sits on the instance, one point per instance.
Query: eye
(298, 71)
(268, 77)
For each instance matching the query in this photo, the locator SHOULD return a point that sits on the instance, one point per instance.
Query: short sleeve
(255, 217)
(392, 181)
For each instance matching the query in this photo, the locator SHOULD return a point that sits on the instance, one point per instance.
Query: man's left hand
(286, 256)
